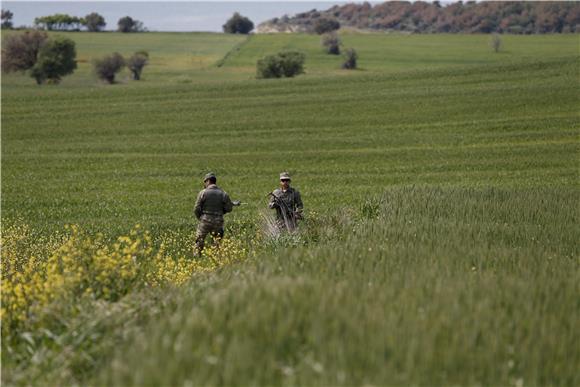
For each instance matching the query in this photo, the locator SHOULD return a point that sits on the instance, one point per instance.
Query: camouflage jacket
(289, 201)
(212, 201)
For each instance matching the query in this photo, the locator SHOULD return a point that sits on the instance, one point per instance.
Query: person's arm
(228, 205)
(272, 203)
(198, 210)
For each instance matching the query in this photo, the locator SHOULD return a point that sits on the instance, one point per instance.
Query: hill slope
(424, 17)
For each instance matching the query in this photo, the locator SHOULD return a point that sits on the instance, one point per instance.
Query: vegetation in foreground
(453, 286)
(416, 286)
(442, 221)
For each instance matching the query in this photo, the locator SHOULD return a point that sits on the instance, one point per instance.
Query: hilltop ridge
(424, 17)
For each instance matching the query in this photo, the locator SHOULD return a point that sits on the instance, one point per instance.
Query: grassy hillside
(393, 53)
(441, 191)
(175, 58)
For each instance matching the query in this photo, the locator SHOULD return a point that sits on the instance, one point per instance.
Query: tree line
(423, 17)
(93, 22)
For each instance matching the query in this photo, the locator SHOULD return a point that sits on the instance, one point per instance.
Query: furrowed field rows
(441, 189)
(482, 105)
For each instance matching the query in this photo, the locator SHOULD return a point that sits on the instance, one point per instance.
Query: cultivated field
(441, 187)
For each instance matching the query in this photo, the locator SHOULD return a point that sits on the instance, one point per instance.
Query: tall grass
(445, 286)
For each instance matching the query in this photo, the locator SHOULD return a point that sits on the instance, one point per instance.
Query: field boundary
(233, 50)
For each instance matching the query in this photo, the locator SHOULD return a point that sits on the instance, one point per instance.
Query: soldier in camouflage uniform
(211, 205)
(287, 203)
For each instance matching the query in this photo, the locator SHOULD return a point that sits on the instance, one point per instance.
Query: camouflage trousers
(208, 224)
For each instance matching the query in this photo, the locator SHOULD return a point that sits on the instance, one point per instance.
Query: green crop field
(439, 245)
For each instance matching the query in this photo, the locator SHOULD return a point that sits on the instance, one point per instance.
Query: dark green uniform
(211, 205)
(288, 205)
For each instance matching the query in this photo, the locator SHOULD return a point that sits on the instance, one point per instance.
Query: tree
(94, 22)
(136, 63)
(7, 19)
(238, 24)
(45, 58)
(331, 43)
(20, 51)
(128, 24)
(55, 60)
(283, 64)
(324, 25)
(107, 67)
(495, 42)
(350, 59)
(58, 21)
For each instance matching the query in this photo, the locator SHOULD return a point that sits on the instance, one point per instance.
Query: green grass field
(441, 190)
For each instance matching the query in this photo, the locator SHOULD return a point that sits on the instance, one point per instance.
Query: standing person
(211, 205)
(288, 204)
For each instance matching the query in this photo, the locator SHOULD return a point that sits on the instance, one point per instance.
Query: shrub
(136, 63)
(106, 68)
(283, 64)
(46, 59)
(269, 67)
(238, 24)
(331, 43)
(55, 60)
(350, 59)
(20, 52)
(324, 25)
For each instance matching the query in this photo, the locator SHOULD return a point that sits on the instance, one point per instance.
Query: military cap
(209, 176)
(285, 176)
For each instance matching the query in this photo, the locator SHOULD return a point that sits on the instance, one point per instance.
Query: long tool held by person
(288, 214)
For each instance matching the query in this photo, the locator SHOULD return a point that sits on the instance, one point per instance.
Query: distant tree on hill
(20, 51)
(107, 67)
(351, 58)
(324, 25)
(55, 60)
(128, 24)
(59, 21)
(238, 24)
(94, 22)
(136, 63)
(331, 43)
(283, 64)
(7, 19)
